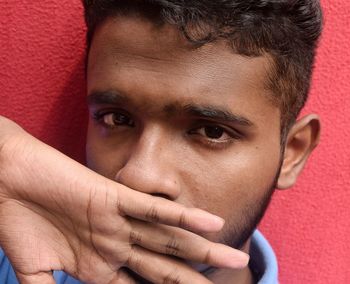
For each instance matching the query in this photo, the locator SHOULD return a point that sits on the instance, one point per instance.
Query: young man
(197, 102)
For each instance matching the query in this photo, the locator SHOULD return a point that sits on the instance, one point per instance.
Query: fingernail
(212, 223)
(237, 260)
(218, 221)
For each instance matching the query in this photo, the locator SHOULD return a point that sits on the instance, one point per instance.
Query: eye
(114, 119)
(212, 132)
(214, 136)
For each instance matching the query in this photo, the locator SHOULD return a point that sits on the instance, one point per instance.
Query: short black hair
(285, 30)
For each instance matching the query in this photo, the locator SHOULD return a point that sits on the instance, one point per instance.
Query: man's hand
(56, 214)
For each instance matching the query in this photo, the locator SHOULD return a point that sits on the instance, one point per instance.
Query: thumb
(38, 278)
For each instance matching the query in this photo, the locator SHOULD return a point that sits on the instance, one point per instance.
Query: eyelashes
(206, 133)
(113, 119)
(215, 136)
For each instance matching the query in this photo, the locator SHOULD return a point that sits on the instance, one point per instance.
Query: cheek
(226, 184)
(104, 156)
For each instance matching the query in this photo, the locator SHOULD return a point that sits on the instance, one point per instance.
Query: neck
(224, 276)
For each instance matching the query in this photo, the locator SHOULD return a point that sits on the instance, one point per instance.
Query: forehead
(145, 60)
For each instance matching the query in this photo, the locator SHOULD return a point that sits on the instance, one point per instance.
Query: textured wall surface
(309, 225)
(42, 88)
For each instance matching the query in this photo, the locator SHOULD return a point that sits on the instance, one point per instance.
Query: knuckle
(183, 220)
(172, 247)
(119, 206)
(172, 278)
(134, 261)
(135, 238)
(207, 257)
(152, 214)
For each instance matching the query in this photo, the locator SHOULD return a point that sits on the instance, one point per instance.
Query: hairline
(271, 74)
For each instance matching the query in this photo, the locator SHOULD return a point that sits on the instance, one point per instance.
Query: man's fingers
(38, 278)
(158, 268)
(123, 278)
(180, 243)
(159, 210)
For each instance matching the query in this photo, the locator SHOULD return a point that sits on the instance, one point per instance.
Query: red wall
(42, 88)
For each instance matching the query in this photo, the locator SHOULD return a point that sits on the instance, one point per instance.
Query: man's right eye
(114, 119)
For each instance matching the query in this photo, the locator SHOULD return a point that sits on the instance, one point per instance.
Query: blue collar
(263, 262)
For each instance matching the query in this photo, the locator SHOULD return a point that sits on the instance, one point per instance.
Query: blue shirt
(263, 263)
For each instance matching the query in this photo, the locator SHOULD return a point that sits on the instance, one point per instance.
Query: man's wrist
(8, 131)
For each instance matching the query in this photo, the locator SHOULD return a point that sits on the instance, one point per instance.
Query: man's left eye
(212, 132)
(115, 119)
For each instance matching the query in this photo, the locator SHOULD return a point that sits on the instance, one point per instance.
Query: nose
(151, 167)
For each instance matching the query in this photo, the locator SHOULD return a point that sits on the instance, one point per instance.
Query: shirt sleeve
(7, 275)
(64, 278)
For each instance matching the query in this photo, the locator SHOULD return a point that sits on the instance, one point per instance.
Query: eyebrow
(214, 113)
(199, 111)
(105, 97)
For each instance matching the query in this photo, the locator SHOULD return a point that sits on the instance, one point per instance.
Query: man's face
(194, 125)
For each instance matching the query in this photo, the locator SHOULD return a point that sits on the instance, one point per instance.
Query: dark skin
(56, 214)
(193, 125)
(183, 127)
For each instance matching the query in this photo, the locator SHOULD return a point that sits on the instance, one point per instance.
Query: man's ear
(302, 138)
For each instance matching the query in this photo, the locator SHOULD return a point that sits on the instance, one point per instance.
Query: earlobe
(302, 138)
